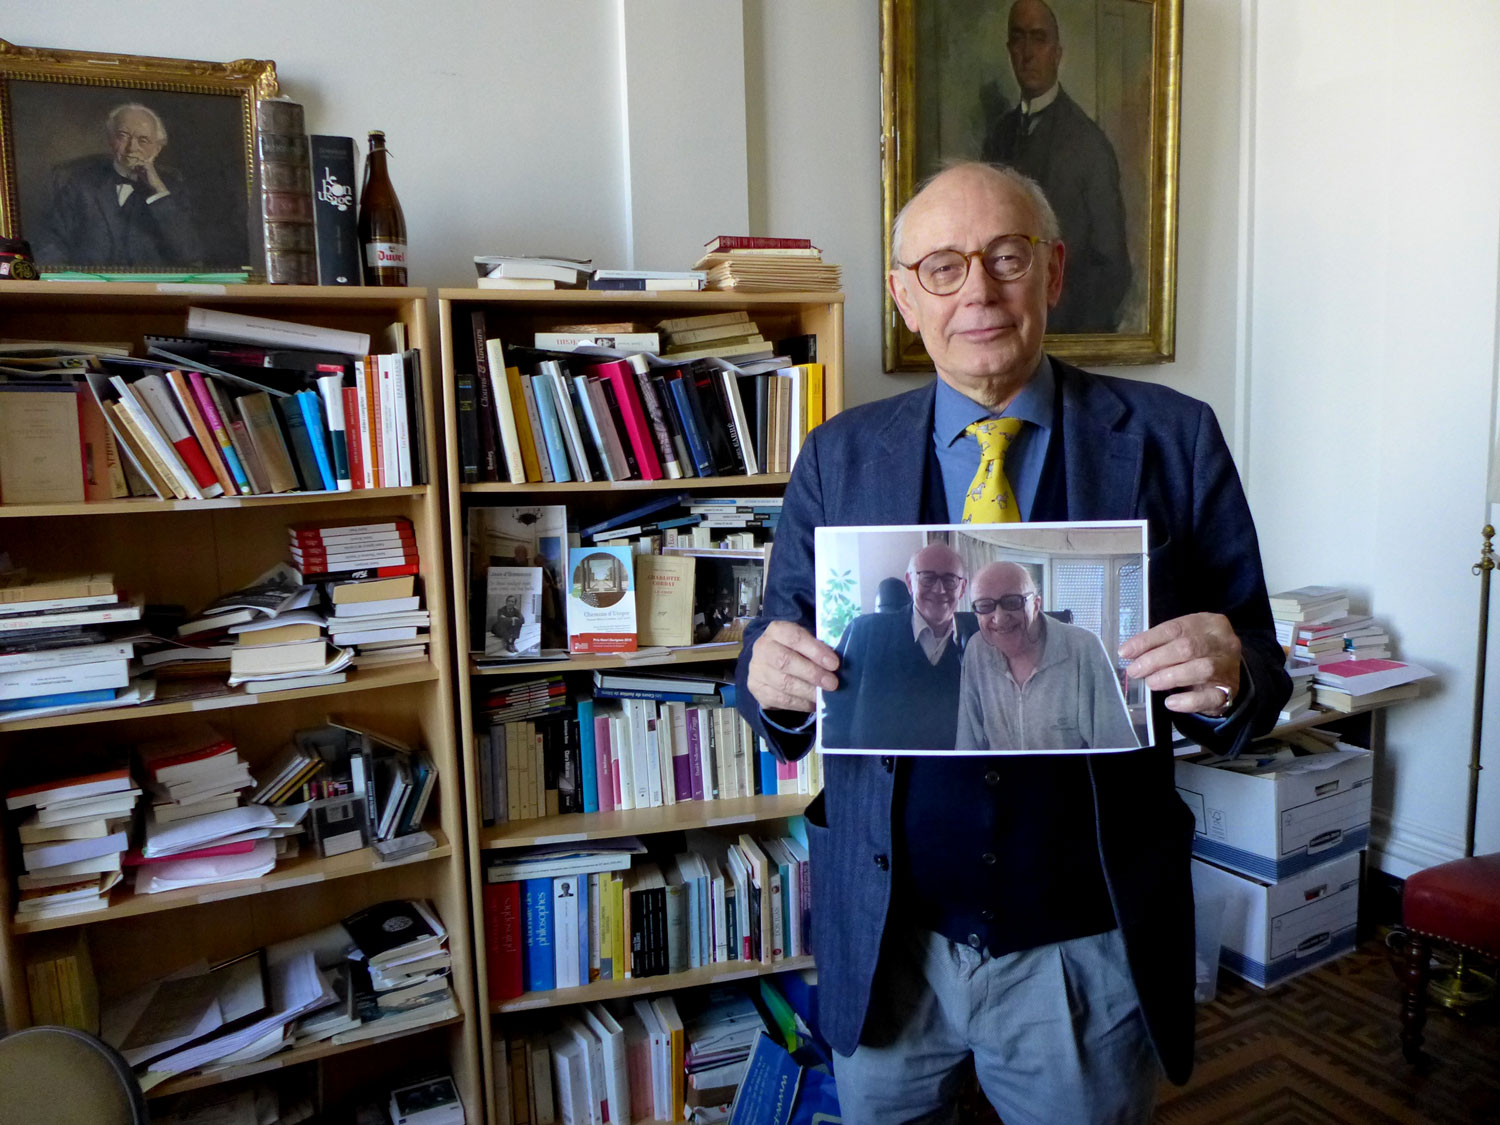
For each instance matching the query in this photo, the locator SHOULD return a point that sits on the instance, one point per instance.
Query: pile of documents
(749, 264)
(73, 831)
(311, 988)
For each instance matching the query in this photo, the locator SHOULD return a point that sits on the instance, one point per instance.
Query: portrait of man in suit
(127, 205)
(129, 179)
(1048, 136)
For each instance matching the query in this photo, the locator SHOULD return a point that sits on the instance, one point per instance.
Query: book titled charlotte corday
(601, 600)
(982, 638)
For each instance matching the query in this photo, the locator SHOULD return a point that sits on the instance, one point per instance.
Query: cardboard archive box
(1274, 931)
(1284, 819)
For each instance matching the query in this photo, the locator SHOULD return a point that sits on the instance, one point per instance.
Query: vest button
(975, 941)
(889, 764)
(986, 915)
(992, 777)
(989, 859)
(883, 863)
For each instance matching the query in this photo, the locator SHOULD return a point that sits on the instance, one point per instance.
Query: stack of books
(522, 271)
(719, 1037)
(1354, 685)
(752, 264)
(382, 619)
(1307, 605)
(66, 644)
(545, 416)
(279, 641)
(683, 522)
(1300, 703)
(401, 969)
(726, 335)
(240, 406)
(73, 832)
(195, 771)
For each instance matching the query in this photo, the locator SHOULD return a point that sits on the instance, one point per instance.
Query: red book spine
(756, 242)
(351, 437)
(502, 940)
(622, 378)
(359, 572)
(192, 456)
(355, 542)
(333, 530)
(134, 858)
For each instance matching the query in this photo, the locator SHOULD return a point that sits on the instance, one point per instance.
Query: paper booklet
(601, 600)
(513, 612)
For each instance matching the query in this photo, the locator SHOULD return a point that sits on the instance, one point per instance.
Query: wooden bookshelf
(721, 973)
(188, 552)
(640, 822)
(513, 316)
(589, 662)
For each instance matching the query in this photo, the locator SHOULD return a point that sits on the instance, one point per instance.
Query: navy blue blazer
(1132, 451)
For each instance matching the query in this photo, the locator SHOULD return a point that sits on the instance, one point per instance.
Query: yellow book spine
(815, 406)
(523, 424)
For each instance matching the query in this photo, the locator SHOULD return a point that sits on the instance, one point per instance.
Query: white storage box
(1273, 931)
(1287, 818)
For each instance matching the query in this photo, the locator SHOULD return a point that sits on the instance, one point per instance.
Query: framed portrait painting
(1080, 95)
(116, 164)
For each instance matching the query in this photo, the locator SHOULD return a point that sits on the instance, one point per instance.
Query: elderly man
(1049, 138)
(121, 209)
(899, 672)
(1035, 684)
(1033, 912)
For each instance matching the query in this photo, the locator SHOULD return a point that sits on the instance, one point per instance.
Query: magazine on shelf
(601, 600)
(525, 538)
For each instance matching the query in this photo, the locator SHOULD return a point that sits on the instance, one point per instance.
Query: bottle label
(389, 255)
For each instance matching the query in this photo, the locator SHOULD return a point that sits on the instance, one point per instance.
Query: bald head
(1008, 608)
(972, 171)
(1034, 46)
(936, 578)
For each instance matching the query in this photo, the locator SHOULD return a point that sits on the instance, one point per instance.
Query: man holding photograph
(1033, 912)
(1035, 683)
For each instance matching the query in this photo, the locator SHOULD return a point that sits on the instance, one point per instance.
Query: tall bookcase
(513, 316)
(187, 552)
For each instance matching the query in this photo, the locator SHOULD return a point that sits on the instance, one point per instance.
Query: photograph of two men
(982, 638)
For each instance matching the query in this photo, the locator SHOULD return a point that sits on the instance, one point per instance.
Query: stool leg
(1414, 1004)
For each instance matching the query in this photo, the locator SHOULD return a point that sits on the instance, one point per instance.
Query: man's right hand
(787, 666)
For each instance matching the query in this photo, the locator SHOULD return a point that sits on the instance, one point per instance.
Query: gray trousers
(1056, 1034)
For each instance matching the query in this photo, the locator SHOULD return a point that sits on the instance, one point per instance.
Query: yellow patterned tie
(990, 499)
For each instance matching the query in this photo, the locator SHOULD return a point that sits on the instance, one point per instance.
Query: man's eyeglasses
(1007, 258)
(1010, 603)
(932, 579)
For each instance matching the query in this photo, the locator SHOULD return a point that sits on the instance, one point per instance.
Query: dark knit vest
(1000, 852)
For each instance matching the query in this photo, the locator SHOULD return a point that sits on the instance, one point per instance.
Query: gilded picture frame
(125, 164)
(952, 89)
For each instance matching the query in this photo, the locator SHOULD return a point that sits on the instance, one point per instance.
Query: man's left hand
(1196, 658)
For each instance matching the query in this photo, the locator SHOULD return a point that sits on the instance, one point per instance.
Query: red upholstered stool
(1456, 903)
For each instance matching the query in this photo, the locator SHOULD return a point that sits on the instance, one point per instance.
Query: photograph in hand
(982, 639)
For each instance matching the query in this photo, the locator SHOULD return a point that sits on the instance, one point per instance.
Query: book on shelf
(575, 415)
(601, 600)
(336, 229)
(563, 271)
(201, 419)
(285, 178)
(524, 539)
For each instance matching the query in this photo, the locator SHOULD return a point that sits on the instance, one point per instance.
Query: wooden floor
(1322, 1049)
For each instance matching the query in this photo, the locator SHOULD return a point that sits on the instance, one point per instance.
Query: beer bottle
(382, 229)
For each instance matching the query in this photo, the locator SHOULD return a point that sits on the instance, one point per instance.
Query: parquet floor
(1323, 1049)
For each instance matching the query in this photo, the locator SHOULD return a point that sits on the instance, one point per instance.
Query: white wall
(1339, 236)
(1372, 351)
